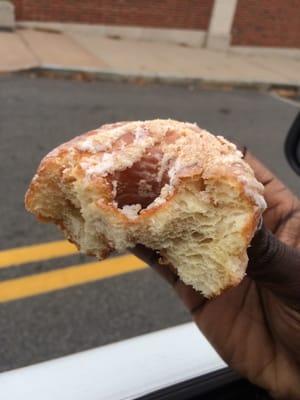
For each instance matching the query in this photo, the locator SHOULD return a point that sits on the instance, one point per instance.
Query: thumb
(275, 266)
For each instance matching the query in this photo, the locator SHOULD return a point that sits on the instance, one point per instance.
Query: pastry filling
(137, 166)
(139, 186)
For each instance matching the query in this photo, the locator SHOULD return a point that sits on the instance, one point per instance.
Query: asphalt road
(37, 115)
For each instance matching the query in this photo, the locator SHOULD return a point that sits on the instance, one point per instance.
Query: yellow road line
(46, 282)
(38, 252)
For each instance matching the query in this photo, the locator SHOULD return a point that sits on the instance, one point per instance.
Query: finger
(262, 173)
(279, 198)
(192, 299)
(273, 185)
(152, 258)
(275, 265)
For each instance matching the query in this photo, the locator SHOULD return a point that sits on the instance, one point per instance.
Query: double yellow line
(14, 289)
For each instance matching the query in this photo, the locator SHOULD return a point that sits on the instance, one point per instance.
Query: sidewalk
(26, 49)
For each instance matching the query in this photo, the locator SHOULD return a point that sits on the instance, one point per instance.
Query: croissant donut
(168, 185)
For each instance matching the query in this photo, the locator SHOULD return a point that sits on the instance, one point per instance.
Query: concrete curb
(95, 74)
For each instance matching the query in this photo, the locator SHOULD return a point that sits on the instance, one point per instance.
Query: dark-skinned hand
(255, 326)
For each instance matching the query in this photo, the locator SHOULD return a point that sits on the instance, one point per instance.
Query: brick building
(219, 24)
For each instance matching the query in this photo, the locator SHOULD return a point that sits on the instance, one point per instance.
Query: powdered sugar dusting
(102, 139)
(123, 157)
(257, 198)
(192, 146)
(166, 191)
(229, 145)
(114, 188)
(253, 189)
(131, 211)
(140, 134)
(174, 171)
(157, 202)
(100, 168)
(91, 146)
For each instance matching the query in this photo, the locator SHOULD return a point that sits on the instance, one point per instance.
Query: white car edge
(124, 370)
